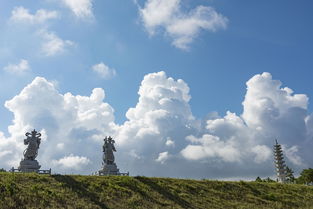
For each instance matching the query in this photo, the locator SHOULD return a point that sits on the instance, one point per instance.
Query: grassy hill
(69, 191)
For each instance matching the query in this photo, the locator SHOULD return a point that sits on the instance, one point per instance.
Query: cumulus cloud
(169, 142)
(103, 70)
(160, 136)
(81, 8)
(292, 155)
(265, 100)
(21, 14)
(262, 153)
(269, 112)
(162, 107)
(69, 123)
(52, 44)
(209, 146)
(163, 156)
(182, 27)
(72, 162)
(134, 155)
(19, 68)
(161, 118)
(309, 126)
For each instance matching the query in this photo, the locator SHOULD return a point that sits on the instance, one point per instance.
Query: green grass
(122, 192)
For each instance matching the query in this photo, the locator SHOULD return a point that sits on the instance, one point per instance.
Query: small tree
(306, 176)
(258, 179)
(289, 175)
(2, 170)
(269, 180)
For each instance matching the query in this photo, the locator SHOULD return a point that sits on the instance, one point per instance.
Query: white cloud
(169, 142)
(21, 14)
(163, 156)
(269, 112)
(9, 151)
(103, 70)
(133, 154)
(292, 155)
(266, 101)
(262, 153)
(309, 125)
(60, 146)
(20, 68)
(162, 105)
(162, 112)
(156, 13)
(220, 147)
(52, 44)
(209, 146)
(69, 122)
(182, 27)
(72, 162)
(81, 8)
(4, 153)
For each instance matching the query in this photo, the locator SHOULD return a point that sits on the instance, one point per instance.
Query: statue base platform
(111, 170)
(27, 166)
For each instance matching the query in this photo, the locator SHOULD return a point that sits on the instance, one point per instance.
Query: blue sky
(258, 36)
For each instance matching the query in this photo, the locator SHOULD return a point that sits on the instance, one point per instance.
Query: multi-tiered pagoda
(279, 163)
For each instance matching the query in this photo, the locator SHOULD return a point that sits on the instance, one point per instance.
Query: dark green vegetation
(306, 176)
(67, 191)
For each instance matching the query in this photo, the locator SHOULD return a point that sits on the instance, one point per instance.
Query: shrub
(306, 176)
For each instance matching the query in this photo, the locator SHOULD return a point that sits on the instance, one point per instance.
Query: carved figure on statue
(33, 141)
(108, 149)
(29, 164)
(109, 166)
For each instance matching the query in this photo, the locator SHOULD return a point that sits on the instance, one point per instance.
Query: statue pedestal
(110, 169)
(29, 166)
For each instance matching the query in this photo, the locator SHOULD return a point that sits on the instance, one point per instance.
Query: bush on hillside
(306, 176)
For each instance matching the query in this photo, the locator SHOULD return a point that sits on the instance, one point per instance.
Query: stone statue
(29, 164)
(109, 166)
(108, 149)
(33, 141)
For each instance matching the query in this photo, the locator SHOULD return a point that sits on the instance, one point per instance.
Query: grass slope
(69, 191)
